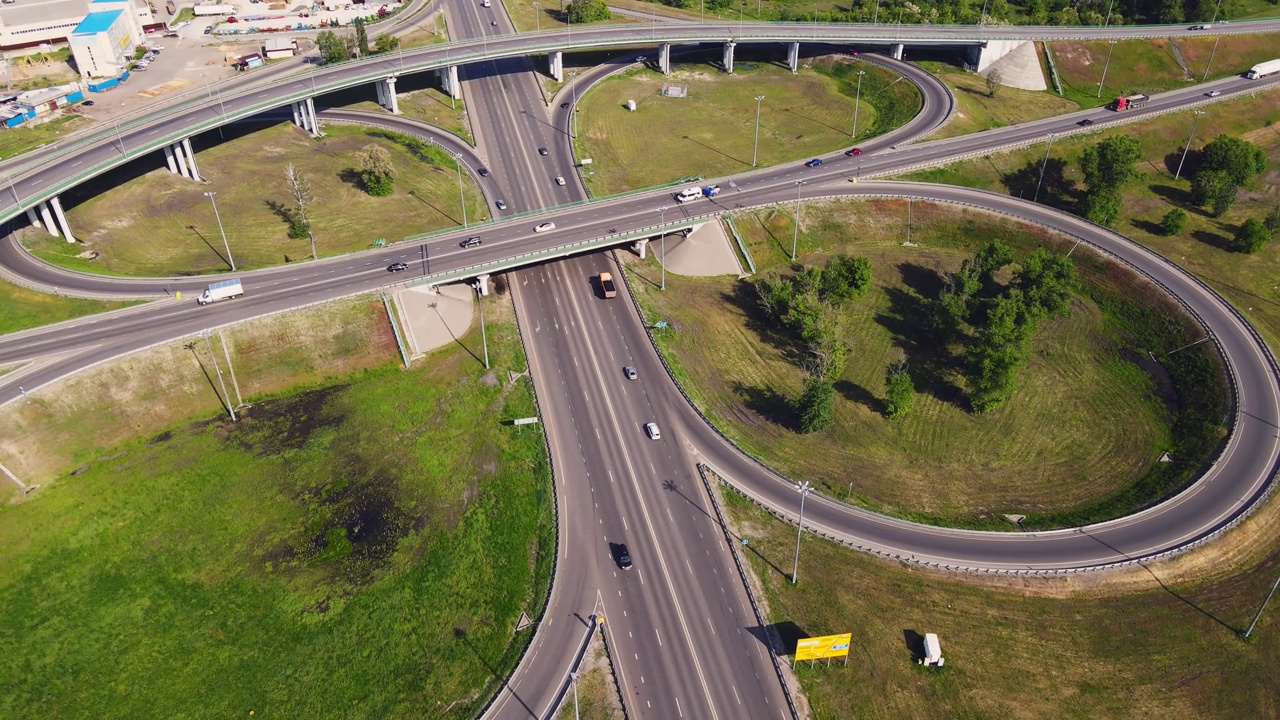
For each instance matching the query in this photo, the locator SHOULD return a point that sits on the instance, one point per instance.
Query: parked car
(471, 242)
(630, 372)
(502, 204)
(651, 429)
(397, 267)
(814, 163)
(854, 151)
(545, 227)
(87, 103)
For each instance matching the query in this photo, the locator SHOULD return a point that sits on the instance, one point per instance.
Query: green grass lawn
(1249, 281)
(977, 111)
(546, 16)
(425, 104)
(27, 137)
(1026, 648)
(711, 132)
(25, 308)
(1136, 66)
(162, 224)
(1055, 447)
(1234, 55)
(360, 549)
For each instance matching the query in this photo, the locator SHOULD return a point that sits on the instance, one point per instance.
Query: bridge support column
(303, 115)
(62, 218)
(896, 51)
(449, 81)
(664, 58)
(310, 107)
(387, 94)
(641, 245)
(191, 160)
(297, 116)
(168, 159)
(728, 56)
(555, 65)
(48, 220)
(793, 57)
(35, 219)
(179, 155)
(482, 284)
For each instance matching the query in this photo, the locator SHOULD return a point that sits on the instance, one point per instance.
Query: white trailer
(1263, 69)
(210, 10)
(224, 290)
(932, 651)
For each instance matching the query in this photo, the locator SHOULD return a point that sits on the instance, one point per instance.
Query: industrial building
(103, 43)
(32, 23)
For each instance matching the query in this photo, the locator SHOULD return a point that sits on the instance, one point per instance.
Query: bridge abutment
(387, 94)
(728, 56)
(664, 58)
(895, 51)
(793, 57)
(555, 65)
(640, 246)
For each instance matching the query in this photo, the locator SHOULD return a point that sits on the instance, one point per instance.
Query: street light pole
(803, 489)
(1258, 617)
(574, 676)
(462, 199)
(1044, 165)
(1210, 65)
(573, 113)
(1195, 120)
(1107, 24)
(1104, 67)
(663, 225)
(537, 17)
(221, 382)
(857, 103)
(484, 338)
(231, 261)
(756, 147)
(795, 236)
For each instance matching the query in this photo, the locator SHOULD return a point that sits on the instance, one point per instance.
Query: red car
(855, 151)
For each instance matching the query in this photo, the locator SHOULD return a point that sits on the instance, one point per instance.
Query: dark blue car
(814, 162)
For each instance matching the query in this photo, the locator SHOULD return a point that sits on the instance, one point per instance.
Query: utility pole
(1104, 67)
(1198, 113)
(537, 18)
(574, 677)
(221, 382)
(1258, 617)
(795, 236)
(484, 338)
(857, 104)
(226, 352)
(1210, 65)
(230, 260)
(909, 218)
(1044, 165)
(756, 147)
(803, 489)
(663, 229)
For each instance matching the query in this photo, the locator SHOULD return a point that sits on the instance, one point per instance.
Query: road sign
(523, 622)
(660, 324)
(524, 421)
(823, 647)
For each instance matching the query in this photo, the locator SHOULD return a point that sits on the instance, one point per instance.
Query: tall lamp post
(537, 17)
(856, 104)
(663, 229)
(462, 199)
(573, 113)
(795, 236)
(1107, 65)
(1215, 42)
(1178, 174)
(1044, 165)
(484, 338)
(222, 232)
(755, 150)
(804, 488)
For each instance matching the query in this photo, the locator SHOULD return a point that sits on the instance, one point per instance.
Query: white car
(651, 429)
(545, 227)
(560, 181)
(1214, 93)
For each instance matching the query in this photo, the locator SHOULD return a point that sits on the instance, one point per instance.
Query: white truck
(1263, 69)
(688, 194)
(224, 290)
(212, 10)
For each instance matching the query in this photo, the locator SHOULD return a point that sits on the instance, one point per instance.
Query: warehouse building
(103, 43)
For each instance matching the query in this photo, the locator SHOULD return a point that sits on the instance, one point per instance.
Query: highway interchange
(681, 631)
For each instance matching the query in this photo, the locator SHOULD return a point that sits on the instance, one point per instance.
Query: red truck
(1129, 101)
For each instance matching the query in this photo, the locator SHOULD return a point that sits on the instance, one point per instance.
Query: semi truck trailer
(1128, 102)
(224, 290)
(1261, 70)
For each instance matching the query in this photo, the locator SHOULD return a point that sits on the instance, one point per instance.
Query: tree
(585, 11)
(376, 171)
(362, 38)
(1252, 236)
(1102, 205)
(1240, 159)
(332, 48)
(816, 406)
(900, 391)
(1046, 283)
(1173, 221)
(993, 82)
(845, 277)
(300, 189)
(1215, 188)
(993, 357)
(1111, 163)
(385, 43)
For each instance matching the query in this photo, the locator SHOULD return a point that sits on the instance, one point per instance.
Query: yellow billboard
(821, 648)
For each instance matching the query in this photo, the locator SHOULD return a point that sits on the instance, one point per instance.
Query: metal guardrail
(395, 329)
(742, 246)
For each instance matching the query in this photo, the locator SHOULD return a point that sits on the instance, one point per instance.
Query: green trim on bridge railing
(733, 228)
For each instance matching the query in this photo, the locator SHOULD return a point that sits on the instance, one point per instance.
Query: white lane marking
(624, 524)
(655, 632)
(735, 694)
(713, 627)
(678, 707)
(686, 564)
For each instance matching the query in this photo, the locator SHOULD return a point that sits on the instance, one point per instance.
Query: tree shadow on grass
(1056, 190)
(768, 404)
(1222, 242)
(909, 319)
(715, 150)
(1189, 167)
(1178, 196)
(280, 211)
(1148, 226)
(854, 392)
(746, 299)
(351, 176)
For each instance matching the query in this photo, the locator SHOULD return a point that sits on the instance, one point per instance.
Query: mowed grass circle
(1085, 423)
(711, 131)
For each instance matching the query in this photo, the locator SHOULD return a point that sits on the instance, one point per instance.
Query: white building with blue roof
(103, 43)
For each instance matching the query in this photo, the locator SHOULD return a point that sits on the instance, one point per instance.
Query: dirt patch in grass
(1054, 447)
(158, 223)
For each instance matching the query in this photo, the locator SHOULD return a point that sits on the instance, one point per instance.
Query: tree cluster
(900, 391)
(996, 321)
(300, 189)
(1108, 166)
(1225, 165)
(578, 12)
(807, 305)
(376, 171)
(334, 47)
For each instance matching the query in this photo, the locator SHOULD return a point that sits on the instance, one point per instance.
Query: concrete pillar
(728, 56)
(168, 158)
(382, 92)
(62, 218)
(482, 284)
(392, 103)
(48, 220)
(297, 117)
(555, 64)
(180, 156)
(793, 57)
(311, 112)
(191, 159)
(897, 51)
(35, 219)
(664, 58)
(454, 88)
(640, 247)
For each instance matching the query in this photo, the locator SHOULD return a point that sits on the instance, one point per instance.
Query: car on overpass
(545, 227)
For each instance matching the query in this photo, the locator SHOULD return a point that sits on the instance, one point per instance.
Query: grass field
(417, 101)
(1234, 54)
(1136, 66)
(1249, 281)
(546, 16)
(25, 308)
(1023, 648)
(1054, 447)
(28, 137)
(977, 111)
(162, 224)
(710, 132)
(597, 695)
(358, 549)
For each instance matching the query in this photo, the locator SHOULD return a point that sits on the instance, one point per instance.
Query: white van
(688, 194)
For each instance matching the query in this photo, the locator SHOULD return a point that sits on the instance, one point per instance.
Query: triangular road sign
(523, 622)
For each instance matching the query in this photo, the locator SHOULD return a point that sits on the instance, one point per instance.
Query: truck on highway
(224, 290)
(607, 286)
(1128, 102)
(1263, 69)
(688, 194)
(711, 191)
